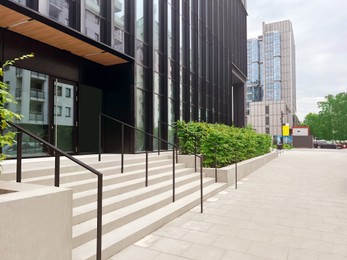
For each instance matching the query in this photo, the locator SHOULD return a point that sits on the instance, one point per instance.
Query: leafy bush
(230, 144)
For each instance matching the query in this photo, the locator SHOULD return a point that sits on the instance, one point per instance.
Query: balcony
(37, 94)
(93, 6)
(19, 72)
(118, 36)
(36, 116)
(117, 6)
(36, 75)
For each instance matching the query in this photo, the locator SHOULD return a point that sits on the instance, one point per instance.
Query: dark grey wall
(303, 141)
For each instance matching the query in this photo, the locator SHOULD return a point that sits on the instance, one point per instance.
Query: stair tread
(108, 177)
(120, 197)
(119, 213)
(87, 250)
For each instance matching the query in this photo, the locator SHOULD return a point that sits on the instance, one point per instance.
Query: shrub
(229, 143)
(6, 115)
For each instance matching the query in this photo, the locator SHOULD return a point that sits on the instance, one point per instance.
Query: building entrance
(48, 109)
(64, 123)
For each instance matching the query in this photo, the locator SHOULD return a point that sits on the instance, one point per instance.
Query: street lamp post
(282, 115)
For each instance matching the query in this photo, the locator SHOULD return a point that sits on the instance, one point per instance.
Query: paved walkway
(295, 207)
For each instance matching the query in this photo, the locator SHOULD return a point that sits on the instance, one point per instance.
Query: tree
(7, 137)
(331, 121)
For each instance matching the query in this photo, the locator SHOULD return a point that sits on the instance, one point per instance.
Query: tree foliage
(331, 121)
(6, 115)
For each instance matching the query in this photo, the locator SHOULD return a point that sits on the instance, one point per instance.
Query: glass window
(140, 119)
(68, 92)
(119, 26)
(58, 10)
(156, 25)
(141, 53)
(267, 120)
(140, 20)
(119, 13)
(68, 111)
(169, 32)
(156, 118)
(94, 19)
(57, 110)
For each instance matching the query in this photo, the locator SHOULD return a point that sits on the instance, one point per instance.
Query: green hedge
(231, 143)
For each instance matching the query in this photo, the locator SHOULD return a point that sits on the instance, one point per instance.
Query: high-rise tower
(271, 84)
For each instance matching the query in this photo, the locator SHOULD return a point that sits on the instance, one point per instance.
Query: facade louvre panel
(142, 62)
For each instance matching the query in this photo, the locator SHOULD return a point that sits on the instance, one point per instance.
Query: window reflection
(119, 28)
(30, 90)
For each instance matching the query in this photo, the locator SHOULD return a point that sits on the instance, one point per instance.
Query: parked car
(326, 144)
(343, 145)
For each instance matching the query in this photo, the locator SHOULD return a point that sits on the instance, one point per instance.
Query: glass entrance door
(64, 122)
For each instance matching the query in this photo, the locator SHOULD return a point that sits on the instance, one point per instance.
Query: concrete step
(82, 174)
(89, 196)
(86, 231)
(117, 239)
(38, 167)
(112, 202)
(110, 179)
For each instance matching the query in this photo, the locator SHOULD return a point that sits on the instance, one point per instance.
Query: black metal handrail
(58, 152)
(174, 147)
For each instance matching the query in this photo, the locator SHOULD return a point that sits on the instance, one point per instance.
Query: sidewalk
(295, 207)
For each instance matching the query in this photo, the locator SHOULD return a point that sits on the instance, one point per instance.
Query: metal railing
(57, 153)
(174, 147)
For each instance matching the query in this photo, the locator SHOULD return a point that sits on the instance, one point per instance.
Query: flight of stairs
(130, 210)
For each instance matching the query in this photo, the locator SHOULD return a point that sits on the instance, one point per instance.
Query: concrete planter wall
(227, 174)
(35, 222)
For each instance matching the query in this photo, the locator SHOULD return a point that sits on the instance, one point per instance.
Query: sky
(320, 34)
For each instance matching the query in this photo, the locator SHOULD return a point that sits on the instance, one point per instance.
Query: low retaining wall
(227, 174)
(35, 222)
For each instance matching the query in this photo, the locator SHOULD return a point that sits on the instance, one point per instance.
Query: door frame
(51, 111)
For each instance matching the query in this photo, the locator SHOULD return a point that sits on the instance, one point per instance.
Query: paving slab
(294, 207)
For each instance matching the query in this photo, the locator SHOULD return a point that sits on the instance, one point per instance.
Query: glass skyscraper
(271, 86)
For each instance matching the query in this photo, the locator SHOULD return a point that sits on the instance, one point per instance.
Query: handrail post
(215, 162)
(100, 126)
(201, 185)
(146, 167)
(195, 150)
(57, 169)
(159, 136)
(122, 166)
(176, 143)
(173, 173)
(99, 220)
(235, 170)
(19, 157)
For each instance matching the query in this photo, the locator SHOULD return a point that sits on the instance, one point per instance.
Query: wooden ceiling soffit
(39, 31)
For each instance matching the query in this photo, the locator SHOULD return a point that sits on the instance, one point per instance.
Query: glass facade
(264, 69)
(184, 56)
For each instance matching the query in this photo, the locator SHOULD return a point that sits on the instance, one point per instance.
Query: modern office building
(145, 62)
(271, 84)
